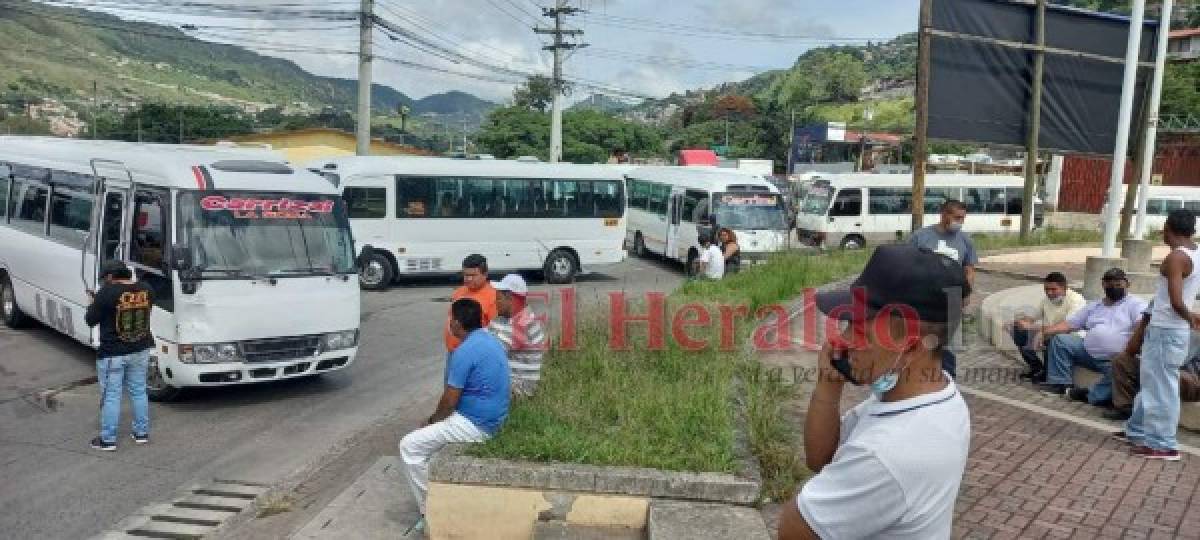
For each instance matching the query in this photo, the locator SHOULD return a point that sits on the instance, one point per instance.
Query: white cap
(513, 283)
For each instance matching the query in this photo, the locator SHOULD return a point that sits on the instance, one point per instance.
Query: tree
(154, 122)
(537, 94)
(588, 135)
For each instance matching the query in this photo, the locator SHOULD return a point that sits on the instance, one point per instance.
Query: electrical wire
(710, 32)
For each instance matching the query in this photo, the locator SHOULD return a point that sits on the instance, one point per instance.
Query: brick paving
(1035, 475)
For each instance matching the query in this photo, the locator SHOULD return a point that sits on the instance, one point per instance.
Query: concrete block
(1139, 253)
(1189, 415)
(1094, 268)
(609, 511)
(1143, 282)
(672, 520)
(558, 530)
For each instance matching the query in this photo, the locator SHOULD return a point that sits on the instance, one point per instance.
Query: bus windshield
(239, 235)
(750, 210)
(816, 201)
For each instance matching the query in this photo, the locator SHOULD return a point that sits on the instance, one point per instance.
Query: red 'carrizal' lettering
(283, 206)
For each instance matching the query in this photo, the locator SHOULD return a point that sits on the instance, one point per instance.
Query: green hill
(453, 102)
(54, 52)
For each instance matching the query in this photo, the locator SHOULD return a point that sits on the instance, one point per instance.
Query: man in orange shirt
(476, 287)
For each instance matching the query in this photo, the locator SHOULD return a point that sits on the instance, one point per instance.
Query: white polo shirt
(896, 471)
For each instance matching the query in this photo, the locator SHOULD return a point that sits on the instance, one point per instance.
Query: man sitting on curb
(518, 329)
(1126, 368)
(1109, 324)
(474, 402)
(1060, 302)
(891, 466)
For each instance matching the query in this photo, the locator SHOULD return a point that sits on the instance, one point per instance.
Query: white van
(668, 206)
(856, 210)
(250, 259)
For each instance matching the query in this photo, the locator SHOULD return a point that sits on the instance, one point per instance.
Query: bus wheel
(13, 316)
(157, 388)
(376, 272)
(853, 242)
(639, 245)
(560, 267)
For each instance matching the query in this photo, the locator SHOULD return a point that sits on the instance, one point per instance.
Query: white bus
(1163, 199)
(424, 215)
(251, 260)
(856, 210)
(670, 206)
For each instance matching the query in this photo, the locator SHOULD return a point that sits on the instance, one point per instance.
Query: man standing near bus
(947, 238)
(476, 287)
(122, 310)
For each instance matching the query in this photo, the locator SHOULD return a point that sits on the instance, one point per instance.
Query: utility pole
(1124, 115)
(560, 10)
(464, 133)
(95, 103)
(1035, 121)
(1151, 134)
(362, 139)
(792, 145)
(180, 123)
(920, 142)
(868, 114)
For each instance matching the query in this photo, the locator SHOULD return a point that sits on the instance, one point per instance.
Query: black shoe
(1039, 377)
(140, 439)
(1117, 414)
(99, 444)
(1056, 389)
(1078, 394)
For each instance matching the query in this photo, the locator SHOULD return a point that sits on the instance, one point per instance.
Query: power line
(711, 32)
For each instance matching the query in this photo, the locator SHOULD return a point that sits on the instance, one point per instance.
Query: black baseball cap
(903, 275)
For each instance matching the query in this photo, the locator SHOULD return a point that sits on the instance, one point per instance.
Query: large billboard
(980, 84)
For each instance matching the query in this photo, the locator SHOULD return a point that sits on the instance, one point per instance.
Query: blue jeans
(114, 374)
(1067, 350)
(1156, 408)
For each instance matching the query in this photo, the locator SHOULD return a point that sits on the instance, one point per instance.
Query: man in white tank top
(1151, 428)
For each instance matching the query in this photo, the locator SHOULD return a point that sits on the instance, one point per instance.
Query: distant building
(310, 144)
(1184, 44)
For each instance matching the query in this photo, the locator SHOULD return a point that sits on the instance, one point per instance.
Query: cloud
(798, 17)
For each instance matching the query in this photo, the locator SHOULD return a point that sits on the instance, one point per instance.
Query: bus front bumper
(179, 374)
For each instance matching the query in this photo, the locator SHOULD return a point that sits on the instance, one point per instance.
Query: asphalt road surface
(313, 436)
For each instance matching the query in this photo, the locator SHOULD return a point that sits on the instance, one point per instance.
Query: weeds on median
(1039, 237)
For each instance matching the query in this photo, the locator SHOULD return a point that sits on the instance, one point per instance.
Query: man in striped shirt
(518, 329)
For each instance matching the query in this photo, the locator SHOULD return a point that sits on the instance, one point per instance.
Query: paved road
(314, 435)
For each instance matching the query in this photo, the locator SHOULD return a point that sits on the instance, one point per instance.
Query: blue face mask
(884, 384)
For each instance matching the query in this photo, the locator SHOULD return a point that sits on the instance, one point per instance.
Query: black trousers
(1021, 339)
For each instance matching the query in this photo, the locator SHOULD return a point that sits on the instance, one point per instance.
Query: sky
(646, 47)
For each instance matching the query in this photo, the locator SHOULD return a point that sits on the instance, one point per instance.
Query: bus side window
(70, 216)
(29, 206)
(365, 202)
(4, 182)
(1015, 200)
(1156, 207)
(1193, 206)
(847, 203)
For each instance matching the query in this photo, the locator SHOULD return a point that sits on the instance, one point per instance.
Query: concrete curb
(452, 466)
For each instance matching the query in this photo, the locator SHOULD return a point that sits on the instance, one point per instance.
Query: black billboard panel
(980, 91)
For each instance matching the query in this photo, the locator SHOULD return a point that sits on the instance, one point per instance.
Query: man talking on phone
(891, 466)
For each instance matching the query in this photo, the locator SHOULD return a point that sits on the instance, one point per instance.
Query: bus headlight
(212, 353)
(334, 341)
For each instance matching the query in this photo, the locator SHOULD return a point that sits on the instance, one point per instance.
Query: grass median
(671, 409)
(668, 409)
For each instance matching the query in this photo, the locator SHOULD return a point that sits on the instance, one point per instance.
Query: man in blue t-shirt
(473, 405)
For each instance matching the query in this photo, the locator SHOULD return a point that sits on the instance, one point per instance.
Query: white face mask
(954, 227)
(1056, 300)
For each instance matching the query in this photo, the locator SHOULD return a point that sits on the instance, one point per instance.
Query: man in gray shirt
(946, 238)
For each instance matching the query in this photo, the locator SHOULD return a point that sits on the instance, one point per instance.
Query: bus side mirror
(181, 258)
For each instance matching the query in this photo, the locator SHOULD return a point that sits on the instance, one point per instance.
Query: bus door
(110, 238)
(674, 220)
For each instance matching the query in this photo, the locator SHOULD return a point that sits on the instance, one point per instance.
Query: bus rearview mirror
(181, 258)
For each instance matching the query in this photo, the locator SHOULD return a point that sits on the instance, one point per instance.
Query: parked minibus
(424, 215)
(852, 211)
(251, 260)
(670, 206)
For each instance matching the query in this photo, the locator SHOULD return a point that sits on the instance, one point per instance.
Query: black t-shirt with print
(123, 313)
